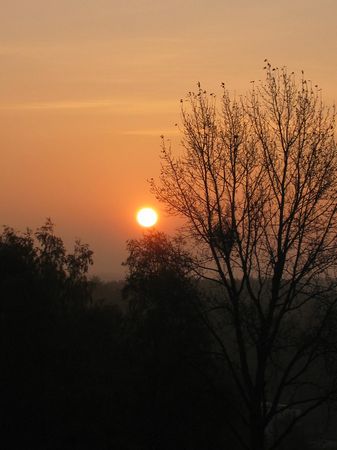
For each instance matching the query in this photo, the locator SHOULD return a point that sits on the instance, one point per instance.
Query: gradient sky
(88, 86)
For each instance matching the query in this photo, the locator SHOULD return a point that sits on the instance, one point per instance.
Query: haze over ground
(88, 87)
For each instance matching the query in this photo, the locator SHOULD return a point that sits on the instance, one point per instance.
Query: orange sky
(88, 86)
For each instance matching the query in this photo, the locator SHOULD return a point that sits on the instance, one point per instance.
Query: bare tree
(256, 183)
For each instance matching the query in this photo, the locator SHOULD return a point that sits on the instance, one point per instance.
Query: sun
(147, 217)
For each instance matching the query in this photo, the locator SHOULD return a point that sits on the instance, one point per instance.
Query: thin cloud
(151, 132)
(138, 106)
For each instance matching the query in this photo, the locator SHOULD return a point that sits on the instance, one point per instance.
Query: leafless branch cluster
(256, 181)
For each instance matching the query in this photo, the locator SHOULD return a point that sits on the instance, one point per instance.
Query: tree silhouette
(43, 290)
(256, 183)
(170, 350)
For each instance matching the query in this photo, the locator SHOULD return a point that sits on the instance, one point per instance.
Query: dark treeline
(80, 372)
(131, 365)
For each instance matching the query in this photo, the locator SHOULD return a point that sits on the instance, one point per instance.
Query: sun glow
(147, 217)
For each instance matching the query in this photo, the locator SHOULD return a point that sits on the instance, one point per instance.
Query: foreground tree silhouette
(257, 186)
(44, 296)
(169, 347)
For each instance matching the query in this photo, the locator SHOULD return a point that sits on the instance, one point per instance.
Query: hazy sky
(88, 86)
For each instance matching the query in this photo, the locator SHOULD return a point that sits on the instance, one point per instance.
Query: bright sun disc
(147, 217)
